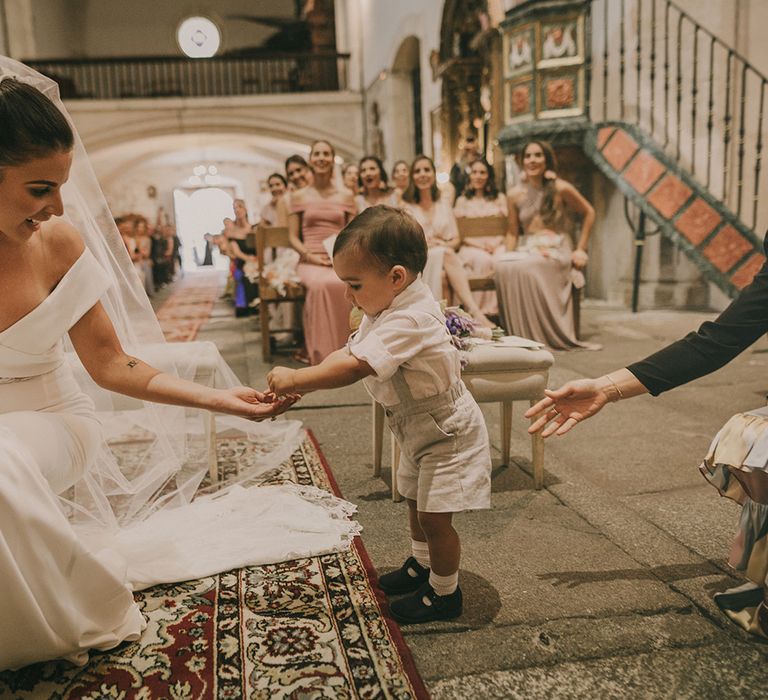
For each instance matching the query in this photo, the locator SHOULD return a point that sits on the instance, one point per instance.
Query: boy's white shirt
(408, 334)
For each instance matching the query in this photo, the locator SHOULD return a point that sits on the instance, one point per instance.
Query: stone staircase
(726, 251)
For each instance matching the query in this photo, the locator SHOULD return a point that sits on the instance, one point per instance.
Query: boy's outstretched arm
(340, 368)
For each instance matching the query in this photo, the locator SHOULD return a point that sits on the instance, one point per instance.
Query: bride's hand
(254, 405)
(563, 408)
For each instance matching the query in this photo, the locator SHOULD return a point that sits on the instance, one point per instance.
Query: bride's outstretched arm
(103, 357)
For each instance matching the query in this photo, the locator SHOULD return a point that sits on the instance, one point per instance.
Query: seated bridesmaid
(318, 212)
(401, 177)
(534, 289)
(480, 199)
(422, 200)
(374, 188)
(350, 176)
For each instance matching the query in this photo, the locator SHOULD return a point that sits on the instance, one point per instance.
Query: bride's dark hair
(31, 126)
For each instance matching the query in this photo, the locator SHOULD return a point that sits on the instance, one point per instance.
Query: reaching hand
(281, 380)
(254, 405)
(570, 404)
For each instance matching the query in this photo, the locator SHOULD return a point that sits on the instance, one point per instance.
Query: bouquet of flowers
(463, 328)
(280, 272)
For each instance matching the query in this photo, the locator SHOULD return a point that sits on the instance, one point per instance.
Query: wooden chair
(482, 226)
(498, 226)
(271, 238)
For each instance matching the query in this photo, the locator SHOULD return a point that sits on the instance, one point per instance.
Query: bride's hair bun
(31, 126)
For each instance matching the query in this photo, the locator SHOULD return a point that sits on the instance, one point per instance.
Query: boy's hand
(281, 380)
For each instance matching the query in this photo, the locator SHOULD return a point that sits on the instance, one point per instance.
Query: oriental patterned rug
(309, 628)
(190, 305)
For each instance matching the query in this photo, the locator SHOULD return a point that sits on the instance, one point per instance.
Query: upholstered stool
(493, 373)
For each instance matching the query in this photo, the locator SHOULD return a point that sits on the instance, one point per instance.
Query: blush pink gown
(326, 311)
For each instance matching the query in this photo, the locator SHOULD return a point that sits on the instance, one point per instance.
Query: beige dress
(534, 291)
(326, 309)
(477, 261)
(439, 225)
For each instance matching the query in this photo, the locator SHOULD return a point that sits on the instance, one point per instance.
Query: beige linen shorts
(445, 456)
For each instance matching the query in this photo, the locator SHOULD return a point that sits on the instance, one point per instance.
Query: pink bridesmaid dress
(326, 311)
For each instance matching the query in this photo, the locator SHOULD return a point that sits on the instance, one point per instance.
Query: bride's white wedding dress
(63, 592)
(56, 598)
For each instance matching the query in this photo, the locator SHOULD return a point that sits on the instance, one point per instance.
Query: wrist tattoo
(132, 363)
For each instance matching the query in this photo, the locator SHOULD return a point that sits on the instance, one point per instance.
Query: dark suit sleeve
(714, 345)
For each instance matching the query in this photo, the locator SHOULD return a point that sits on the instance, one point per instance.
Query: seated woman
(534, 290)
(246, 292)
(481, 198)
(318, 212)
(374, 188)
(350, 175)
(422, 200)
(401, 176)
(278, 186)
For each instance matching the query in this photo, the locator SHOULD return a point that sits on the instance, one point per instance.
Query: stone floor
(597, 586)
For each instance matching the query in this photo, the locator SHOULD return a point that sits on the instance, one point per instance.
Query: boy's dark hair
(31, 126)
(387, 235)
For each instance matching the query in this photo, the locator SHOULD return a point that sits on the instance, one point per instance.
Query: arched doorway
(408, 135)
(197, 212)
(470, 64)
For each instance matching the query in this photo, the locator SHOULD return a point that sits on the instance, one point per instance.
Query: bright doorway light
(198, 212)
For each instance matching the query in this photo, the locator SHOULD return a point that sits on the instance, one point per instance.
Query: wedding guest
(459, 175)
(535, 291)
(737, 461)
(246, 292)
(298, 173)
(126, 225)
(401, 176)
(225, 249)
(159, 272)
(373, 185)
(278, 186)
(481, 198)
(317, 213)
(349, 176)
(144, 246)
(423, 201)
(407, 363)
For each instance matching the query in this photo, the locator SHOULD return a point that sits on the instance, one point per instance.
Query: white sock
(420, 552)
(444, 585)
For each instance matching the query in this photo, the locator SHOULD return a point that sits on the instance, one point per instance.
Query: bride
(79, 527)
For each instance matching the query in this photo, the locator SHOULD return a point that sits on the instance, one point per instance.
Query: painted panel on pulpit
(521, 99)
(519, 52)
(561, 43)
(561, 93)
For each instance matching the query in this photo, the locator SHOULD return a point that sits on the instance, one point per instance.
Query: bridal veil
(150, 507)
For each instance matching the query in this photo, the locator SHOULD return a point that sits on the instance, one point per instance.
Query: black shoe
(408, 578)
(735, 599)
(426, 606)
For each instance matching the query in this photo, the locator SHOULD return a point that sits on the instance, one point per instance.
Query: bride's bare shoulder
(64, 240)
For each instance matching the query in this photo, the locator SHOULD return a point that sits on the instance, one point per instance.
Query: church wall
(303, 118)
(739, 23)
(385, 25)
